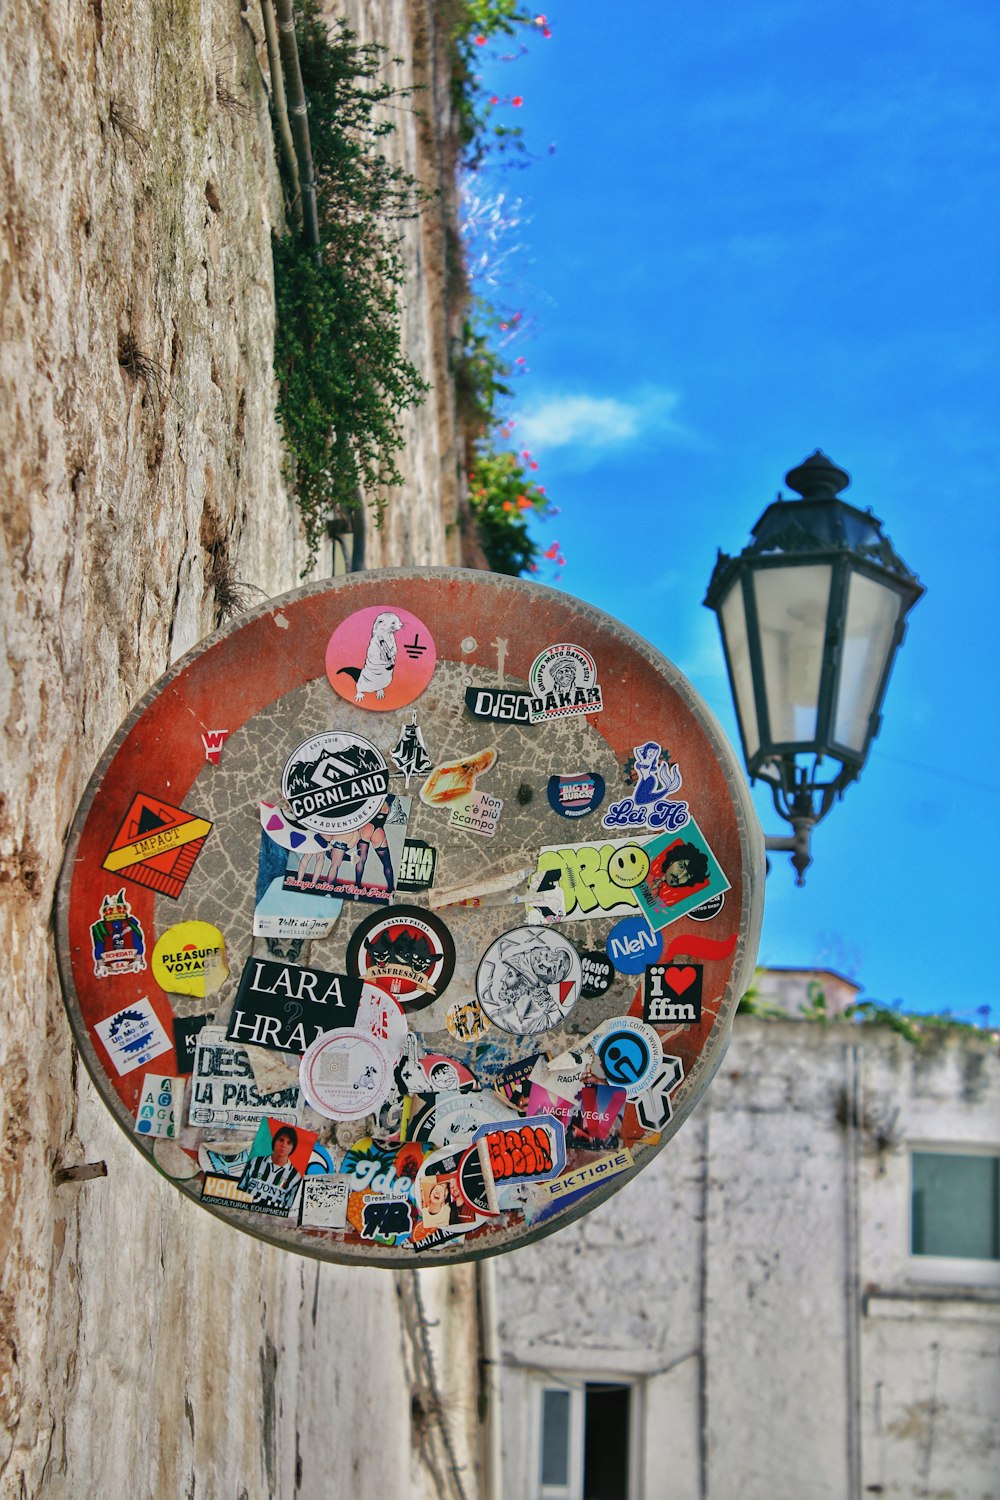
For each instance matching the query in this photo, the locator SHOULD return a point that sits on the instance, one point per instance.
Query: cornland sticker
(405, 951)
(576, 796)
(671, 994)
(158, 1112)
(224, 1095)
(335, 782)
(528, 980)
(133, 1036)
(381, 657)
(597, 878)
(498, 705)
(117, 939)
(157, 845)
(563, 682)
(190, 959)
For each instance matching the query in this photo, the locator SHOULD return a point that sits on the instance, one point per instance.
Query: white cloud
(598, 422)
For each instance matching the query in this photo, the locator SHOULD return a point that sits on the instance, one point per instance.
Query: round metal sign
(405, 920)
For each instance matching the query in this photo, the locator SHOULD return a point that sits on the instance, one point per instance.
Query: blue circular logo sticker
(629, 1053)
(576, 796)
(632, 944)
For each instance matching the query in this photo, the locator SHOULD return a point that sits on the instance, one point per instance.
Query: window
(586, 1441)
(955, 1205)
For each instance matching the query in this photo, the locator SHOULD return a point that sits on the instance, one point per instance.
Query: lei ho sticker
(345, 1075)
(381, 657)
(528, 980)
(406, 951)
(563, 681)
(335, 782)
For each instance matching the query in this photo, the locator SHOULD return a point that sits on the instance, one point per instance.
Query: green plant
(343, 378)
(502, 495)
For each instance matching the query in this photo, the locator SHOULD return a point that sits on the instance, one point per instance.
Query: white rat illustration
(380, 660)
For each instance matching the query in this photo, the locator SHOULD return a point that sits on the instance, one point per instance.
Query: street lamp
(812, 614)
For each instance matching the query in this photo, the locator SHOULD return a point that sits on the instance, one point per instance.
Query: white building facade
(800, 1299)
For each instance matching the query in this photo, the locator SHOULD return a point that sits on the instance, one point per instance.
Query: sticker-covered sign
(381, 657)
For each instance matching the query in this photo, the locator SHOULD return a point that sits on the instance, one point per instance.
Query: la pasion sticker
(406, 951)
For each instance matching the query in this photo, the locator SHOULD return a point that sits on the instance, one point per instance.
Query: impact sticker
(479, 813)
(345, 1075)
(576, 796)
(117, 939)
(158, 1112)
(405, 951)
(335, 782)
(649, 806)
(632, 945)
(157, 845)
(285, 1007)
(683, 873)
(528, 980)
(671, 994)
(455, 780)
(224, 1095)
(597, 879)
(410, 755)
(190, 959)
(629, 1053)
(417, 864)
(323, 1204)
(598, 973)
(498, 706)
(380, 657)
(563, 682)
(213, 740)
(133, 1036)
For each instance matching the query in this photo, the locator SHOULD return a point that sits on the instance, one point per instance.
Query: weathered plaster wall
(756, 1282)
(147, 1349)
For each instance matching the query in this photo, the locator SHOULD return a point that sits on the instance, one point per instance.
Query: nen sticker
(671, 994)
(117, 939)
(335, 782)
(190, 959)
(528, 980)
(576, 796)
(563, 682)
(157, 845)
(405, 951)
(683, 873)
(381, 657)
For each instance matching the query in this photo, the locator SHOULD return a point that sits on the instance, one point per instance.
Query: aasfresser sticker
(381, 657)
(563, 682)
(335, 782)
(190, 959)
(157, 845)
(117, 939)
(406, 951)
(528, 980)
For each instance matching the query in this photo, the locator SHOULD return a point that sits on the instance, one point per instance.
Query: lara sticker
(528, 980)
(563, 681)
(381, 657)
(286, 1006)
(335, 782)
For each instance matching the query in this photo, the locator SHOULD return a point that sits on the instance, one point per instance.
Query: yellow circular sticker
(190, 959)
(628, 866)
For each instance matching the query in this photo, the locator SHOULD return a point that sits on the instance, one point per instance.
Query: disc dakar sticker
(190, 959)
(563, 681)
(406, 951)
(335, 782)
(528, 980)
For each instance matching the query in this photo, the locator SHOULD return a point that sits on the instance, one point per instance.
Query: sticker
(345, 1075)
(381, 657)
(387, 1220)
(671, 994)
(475, 1182)
(466, 1020)
(157, 845)
(592, 1175)
(683, 873)
(629, 1053)
(405, 951)
(225, 1191)
(592, 1126)
(285, 1007)
(708, 909)
(585, 875)
(415, 871)
(530, 1151)
(598, 973)
(190, 959)
(542, 1101)
(335, 782)
(444, 1213)
(158, 1112)
(528, 980)
(512, 1082)
(432, 1073)
(409, 754)
(479, 813)
(323, 1204)
(276, 1167)
(117, 939)
(563, 682)
(373, 1168)
(213, 740)
(652, 1107)
(223, 1163)
(649, 806)
(355, 866)
(576, 796)
(455, 780)
(452, 1119)
(632, 945)
(498, 706)
(279, 914)
(133, 1036)
(223, 1092)
(186, 1029)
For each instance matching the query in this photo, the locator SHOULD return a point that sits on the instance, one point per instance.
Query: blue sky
(764, 230)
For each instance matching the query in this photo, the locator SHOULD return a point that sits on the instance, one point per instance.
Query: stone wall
(146, 1348)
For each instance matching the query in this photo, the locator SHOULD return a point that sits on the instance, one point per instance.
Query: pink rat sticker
(380, 658)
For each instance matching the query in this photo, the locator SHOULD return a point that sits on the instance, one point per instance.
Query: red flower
(519, 360)
(517, 101)
(546, 33)
(495, 99)
(532, 465)
(553, 551)
(480, 41)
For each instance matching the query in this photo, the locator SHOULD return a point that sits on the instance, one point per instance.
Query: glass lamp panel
(792, 604)
(871, 616)
(734, 626)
